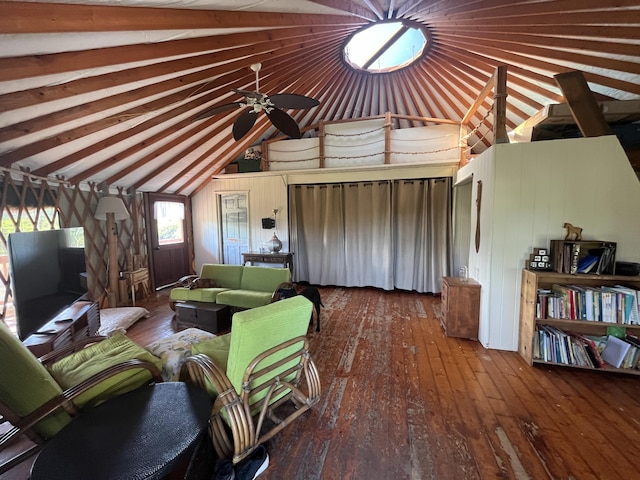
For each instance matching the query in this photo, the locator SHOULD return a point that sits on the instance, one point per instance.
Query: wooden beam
(479, 99)
(347, 6)
(572, 53)
(190, 53)
(321, 139)
(488, 53)
(584, 108)
(539, 17)
(27, 17)
(387, 138)
(601, 44)
(500, 105)
(606, 32)
(376, 8)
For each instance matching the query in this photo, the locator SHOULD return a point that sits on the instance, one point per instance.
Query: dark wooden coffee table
(208, 316)
(143, 434)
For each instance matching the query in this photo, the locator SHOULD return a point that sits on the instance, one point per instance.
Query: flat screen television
(47, 275)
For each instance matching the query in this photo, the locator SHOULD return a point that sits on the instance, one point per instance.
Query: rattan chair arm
(250, 371)
(313, 381)
(59, 353)
(65, 399)
(200, 368)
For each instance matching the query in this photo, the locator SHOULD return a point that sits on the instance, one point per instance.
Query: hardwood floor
(400, 400)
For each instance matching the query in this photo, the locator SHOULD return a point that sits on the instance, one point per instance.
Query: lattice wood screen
(36, 204)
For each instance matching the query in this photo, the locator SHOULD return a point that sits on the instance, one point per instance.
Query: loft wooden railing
(389, 118)
(496, 84)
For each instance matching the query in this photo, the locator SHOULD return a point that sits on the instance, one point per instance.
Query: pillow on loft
(118, 319)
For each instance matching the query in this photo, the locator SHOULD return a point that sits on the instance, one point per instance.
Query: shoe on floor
(224, 470)
(253, 465)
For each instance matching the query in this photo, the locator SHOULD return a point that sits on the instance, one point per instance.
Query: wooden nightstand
(460, 307)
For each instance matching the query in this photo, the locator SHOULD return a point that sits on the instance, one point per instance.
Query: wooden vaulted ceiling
(101, 93)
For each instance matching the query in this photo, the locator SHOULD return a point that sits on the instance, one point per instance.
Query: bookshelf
(532, 281)
(570, 256)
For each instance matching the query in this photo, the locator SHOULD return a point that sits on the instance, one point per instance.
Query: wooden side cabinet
(460, 307)
(80, 320)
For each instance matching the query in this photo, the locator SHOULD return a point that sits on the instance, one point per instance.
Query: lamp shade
(111, 205)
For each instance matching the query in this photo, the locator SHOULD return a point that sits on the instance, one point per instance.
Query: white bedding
(118, 319)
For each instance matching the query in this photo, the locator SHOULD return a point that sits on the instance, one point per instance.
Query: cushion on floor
(119, 319)
(172, 350)
(79, 366)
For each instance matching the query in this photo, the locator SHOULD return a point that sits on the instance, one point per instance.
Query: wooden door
(168, 237)
(234, 225)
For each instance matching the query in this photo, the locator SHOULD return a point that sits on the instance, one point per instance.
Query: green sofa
(236, 285)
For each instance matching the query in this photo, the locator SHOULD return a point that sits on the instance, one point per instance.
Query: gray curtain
(380, 234)
(422, 230)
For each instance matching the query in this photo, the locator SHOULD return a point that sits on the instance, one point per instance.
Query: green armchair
(38, 397)
(251, 372)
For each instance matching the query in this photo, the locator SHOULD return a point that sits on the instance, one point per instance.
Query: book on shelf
(583, 256)
(554, 345)
(615, 351)
(569, 348)
(608, 304)
(587, 263)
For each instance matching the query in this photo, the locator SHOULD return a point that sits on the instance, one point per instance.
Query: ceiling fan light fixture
(256, 102)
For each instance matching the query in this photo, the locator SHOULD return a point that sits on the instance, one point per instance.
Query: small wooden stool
(135, 279)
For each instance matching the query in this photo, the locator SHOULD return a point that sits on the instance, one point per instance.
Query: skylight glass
(385, 47)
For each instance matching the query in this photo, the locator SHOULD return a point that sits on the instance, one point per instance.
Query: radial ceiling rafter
(74, 127)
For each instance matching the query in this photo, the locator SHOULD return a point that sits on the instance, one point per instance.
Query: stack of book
(592, 257)
(615, 304)
(554, 345)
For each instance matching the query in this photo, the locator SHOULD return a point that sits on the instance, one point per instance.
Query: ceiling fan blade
(243, 124)
(284, 122)
(216, 110)
(249, 93)
(293, 100)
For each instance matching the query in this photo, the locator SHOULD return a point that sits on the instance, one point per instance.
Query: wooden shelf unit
(80, 320)
(460, 307)
(534, 280)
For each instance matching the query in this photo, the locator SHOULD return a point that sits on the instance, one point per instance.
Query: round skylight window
(386, 46)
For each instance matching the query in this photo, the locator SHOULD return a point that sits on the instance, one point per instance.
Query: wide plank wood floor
(402, 401)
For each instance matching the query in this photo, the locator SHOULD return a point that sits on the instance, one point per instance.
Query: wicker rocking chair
(262, 366)
(38, 397)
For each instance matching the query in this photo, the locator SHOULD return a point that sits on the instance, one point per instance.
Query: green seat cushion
(244, 298)
(254, 332)
(25, 384)
(227, 276)
(264, 279)
(79, 366)
(257, 330)
(217, 349)
(195, 294)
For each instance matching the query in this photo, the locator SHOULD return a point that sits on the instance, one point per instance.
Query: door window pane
(170, 220)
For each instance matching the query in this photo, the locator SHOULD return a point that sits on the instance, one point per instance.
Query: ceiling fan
(257, 102)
